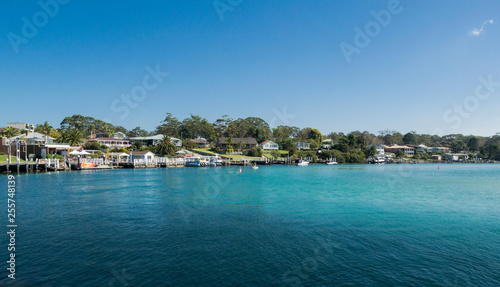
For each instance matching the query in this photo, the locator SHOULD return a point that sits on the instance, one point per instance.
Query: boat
(255, 166)
(302, 163)
(332, 161)
(193, 162)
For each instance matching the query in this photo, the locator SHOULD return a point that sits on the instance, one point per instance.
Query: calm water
(386, 225)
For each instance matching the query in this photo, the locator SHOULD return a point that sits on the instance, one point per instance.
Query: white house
(22, 126)
(303, 145)
(142, 155)
(156, 139)
(268, 145)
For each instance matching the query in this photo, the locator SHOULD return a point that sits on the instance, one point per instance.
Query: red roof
(265, 142)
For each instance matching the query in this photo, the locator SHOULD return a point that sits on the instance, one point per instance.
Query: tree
(316, 135)
(73, 138)
(239, 145)
(138, 132)
(473, 144)
(11, 132)
(400, 154)
(275, 154)
(166, 147)
(169, 126)
(410, 138)
(44, 128)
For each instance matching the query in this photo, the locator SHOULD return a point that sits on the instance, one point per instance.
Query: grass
(3, 159)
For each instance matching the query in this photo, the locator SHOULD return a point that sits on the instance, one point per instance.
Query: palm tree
(229, 141)
(166, 147)
(75, 138)
(240, 144)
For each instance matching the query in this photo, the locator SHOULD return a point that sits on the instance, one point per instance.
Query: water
(351, 225)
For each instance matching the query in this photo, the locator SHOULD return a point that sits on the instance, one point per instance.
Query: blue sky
(261, 59)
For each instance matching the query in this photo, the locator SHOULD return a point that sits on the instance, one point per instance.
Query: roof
(140, 152)
(155, 137)
(222, 140)
(32, 135)
(108, 139)
(198, 140)
(264, 142)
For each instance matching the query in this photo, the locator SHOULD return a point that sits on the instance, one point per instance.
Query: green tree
(275, 154)
(11, 132)
(316, 135)
(166, 147)
(44, 128)
(170, 126)
(400, 154)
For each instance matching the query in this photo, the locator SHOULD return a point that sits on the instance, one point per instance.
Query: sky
(338, 66)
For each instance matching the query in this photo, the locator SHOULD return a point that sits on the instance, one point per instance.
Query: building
(201, 143)
(380, 149)
(268, 145)
(303, 145)
(34, 138)
(155, 140)
(21, 126)
(142, 155)
(436, 157)
(456, 157)
(440, 149)
(409, 151)
(112, 142)
(246, 143)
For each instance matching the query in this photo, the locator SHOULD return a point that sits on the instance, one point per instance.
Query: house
(142, 155)
(409, 151)
(112, 142)
(155, 140)
(268, 145)
(201, 143)
(440, 149)
(22, 126)
(456, 156)
(34, 138)
(436, 157)
(303, 145)
(246, 143)
(379, 149)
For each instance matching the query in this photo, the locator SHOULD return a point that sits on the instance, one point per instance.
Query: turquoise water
(350, 225)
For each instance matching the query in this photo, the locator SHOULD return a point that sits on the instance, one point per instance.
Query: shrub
(1, 153)
(256, 151)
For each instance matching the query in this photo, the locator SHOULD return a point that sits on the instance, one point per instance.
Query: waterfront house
(246, 143)
(409, 151)
(303, 145)
(112, 142)
(142, 155)
(436, 157)
(268, 145)
(201, 143)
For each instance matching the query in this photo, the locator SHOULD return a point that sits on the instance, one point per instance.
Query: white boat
(332, 161)
(255, 166)
(302, 163)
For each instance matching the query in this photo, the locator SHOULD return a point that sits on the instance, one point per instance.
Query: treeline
(354, 146)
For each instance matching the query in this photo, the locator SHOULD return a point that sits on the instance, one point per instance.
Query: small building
(246, 143)
(268, 145)
(112, 142)
(142, 155)
(303, 145)
(21, 126)
(436, 157)
(201, 143)
(409, 151)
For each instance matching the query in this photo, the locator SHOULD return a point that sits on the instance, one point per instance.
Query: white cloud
(477, 32)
